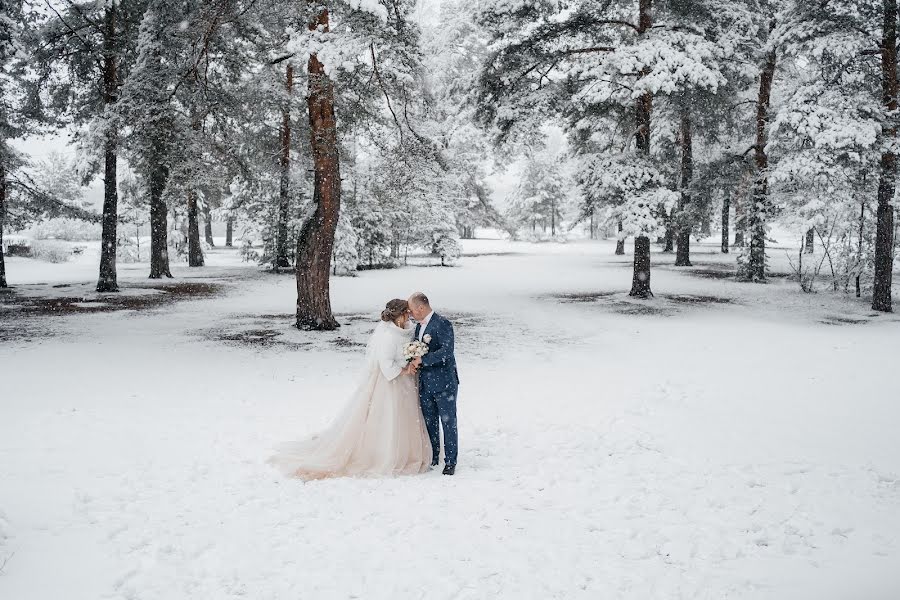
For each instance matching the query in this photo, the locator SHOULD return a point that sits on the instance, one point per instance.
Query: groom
(438, 380)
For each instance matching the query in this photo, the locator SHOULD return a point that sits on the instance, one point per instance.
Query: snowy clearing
(724, 440)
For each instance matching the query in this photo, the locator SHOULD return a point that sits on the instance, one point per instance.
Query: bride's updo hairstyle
(394, 309)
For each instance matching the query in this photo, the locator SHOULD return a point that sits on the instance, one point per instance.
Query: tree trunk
(759, 205)
(620, 242)
(668, 239)
(2, 221)
(316, 239)
(884, 232)
(683, 256)
(640, 281)
(726, 208)
(159, 235)
(107, 282)
(207, 219)
(281, 237)
(229, 232)
(740, 217)
(553, 217)
(195, 252)
(809, 244)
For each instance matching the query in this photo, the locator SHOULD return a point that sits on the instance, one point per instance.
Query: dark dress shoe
(434, 463)
(449, 469)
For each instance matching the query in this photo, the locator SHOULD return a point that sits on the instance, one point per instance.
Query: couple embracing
(393, 421)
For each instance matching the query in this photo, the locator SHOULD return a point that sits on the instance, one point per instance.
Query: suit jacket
(438, 371)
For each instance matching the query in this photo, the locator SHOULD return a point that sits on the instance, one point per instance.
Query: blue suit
(438, 387)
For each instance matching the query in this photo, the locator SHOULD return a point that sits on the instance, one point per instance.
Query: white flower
(426, 338)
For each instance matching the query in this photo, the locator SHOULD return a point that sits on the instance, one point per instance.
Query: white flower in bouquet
(415, 349)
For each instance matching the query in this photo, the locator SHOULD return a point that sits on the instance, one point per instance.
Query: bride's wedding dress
(380, 432)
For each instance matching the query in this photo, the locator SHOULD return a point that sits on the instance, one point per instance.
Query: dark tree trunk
(553, 217)
(759, 205)
(668, 239)
(809, 244)
(281, 238)
(207, 219)
(884, 222)
(107, 282)
(726, 208)
(683, 256)
(640, 281)
(620, 243)
(195, 252)
(159, 235)
(2, 221)
(316, 240)
(740, 217)
(229, 232)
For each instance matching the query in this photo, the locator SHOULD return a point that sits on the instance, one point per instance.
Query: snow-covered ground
(724, 440)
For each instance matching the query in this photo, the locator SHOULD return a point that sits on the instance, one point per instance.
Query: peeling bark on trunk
(282, 261)
(159, 235)
(759, 204)
(316, 239)
(640, 281)
(683, 256)
(107, 281)
(884, 232)
(726, 208)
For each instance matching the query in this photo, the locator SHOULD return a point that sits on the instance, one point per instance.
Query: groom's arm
(442, 354)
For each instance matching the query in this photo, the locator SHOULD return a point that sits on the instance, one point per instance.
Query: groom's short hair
(420, 298)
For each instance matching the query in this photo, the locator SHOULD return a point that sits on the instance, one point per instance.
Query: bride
(381, 430)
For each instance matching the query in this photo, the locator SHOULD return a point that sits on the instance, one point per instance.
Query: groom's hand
(416, 362)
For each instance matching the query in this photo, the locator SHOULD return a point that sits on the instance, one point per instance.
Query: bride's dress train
(380, 431)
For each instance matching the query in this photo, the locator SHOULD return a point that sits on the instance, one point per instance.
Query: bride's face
(402, 320)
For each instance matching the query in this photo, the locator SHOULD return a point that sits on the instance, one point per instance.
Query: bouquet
(415, 349)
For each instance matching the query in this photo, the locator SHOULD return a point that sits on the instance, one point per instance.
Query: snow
(723, 440)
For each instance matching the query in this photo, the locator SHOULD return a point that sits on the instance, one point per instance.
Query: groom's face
(418, 311)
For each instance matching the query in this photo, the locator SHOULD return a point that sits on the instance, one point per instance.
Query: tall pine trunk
(884, 227)
(726, 208)
(229, 232)
(669, 238)
(107, 281)
(759, 204)
(281, 237)
(195, 251)
(620, 242)
(316, 240)
(2, 222)
(683, 255)
(207, 225)
(640, 281)
(159, 235)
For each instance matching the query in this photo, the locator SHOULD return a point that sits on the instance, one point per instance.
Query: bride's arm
(388, 361)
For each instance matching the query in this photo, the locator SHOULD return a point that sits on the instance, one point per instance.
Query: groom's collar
(426, 320)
